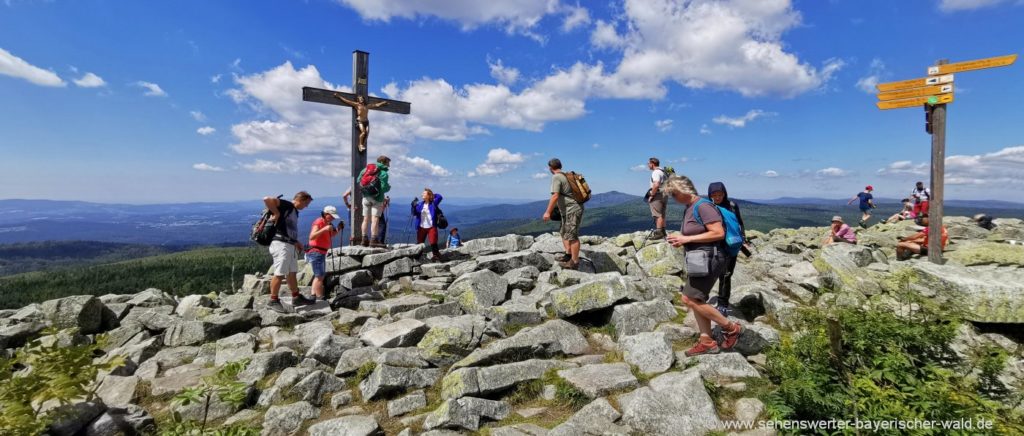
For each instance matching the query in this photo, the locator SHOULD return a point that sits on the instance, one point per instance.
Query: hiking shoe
(729, 338)
(365, 242)
(569, 265)
(703, 348)
(437, 259)
(723, 309)
(565, 257)
(376, 244)
(657, 234)
(276, 306)
(301, 300)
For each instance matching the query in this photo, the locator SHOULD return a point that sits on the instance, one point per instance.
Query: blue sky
(149, 102)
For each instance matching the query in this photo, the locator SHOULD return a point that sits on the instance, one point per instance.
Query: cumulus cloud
(875, 72)
(704, 130)
(152, 89)
(605, 36)
(904, 168)
(831, 172)
(575, 17)
(639, 168)
(11, 65)
(215, 78)
(90, 80)
(205, 130)
(663, 125)
(1003, 167)
(770, 174)
(515, 16)
(967, 5)
(741, 121)
(499, 161)
(503, 74)
(206, 167)
(198, 116)
(540, 176)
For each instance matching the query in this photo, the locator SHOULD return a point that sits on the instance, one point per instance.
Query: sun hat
(837, 218)
(332, 211)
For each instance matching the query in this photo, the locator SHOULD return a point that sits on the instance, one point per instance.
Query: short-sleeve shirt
(322, 243)
(945, 236)
(847, 233)
(289, 232)
(657, 176)
(560, 186)
(709, 214)
(865, 197)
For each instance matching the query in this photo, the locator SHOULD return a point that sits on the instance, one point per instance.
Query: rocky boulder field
(501, 340)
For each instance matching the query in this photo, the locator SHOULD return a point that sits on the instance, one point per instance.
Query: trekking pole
(646, 238)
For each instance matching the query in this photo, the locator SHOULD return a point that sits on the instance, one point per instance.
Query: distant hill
(36, 256)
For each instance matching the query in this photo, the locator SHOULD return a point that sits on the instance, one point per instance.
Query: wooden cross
(360, 72)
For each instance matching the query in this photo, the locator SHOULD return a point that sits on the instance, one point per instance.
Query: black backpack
(442, 221)
(263, 230)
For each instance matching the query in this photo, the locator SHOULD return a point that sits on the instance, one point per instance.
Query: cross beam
(326, 96)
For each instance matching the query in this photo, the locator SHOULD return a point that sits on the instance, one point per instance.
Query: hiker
(425, 216)
(840, 232)
(285, 248)
(382, 233)
(374, 176)
(454, 240)
(918, 242)
(320, 237)
(656, 199)
(867, 203)
(921, 196)
(906, 212)
(984, 221)
(705, 260)
(571, 213)
(720, 196)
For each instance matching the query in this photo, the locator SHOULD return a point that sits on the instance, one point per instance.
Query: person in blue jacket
(424, 211)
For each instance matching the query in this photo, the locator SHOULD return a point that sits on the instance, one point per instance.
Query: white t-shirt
(657, 176)
(425, 221)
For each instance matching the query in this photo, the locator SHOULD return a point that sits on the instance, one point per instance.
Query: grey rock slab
(521, 278)
(466, 413)
(152, 297)
(341, 399)
(503, 244)
(432, 310)
(352, 359)
(238, 321)
(503, 263)
(659, 259)
(314, 387)
(672, 404)
(650, 352)
(401, 333)
(235, 302)
(185, 377)
(378, 259)
(398, 268)
(406, 404)
(288, 419)
(355, 425)
(451, 338)
(118, 391)
(234, 348)
(436, 269)
(633, 318)
(409, 357)
(723, 366)
(596, 418)
(553, 338)
(310, 332)
(214, 410)
(520, 430)
(131, 420)
(191, 305)
(84, 312)
(476, 291)
(396, 305)
(598, 380)
(355, 279)
(191, 333)
(282, 385)
(748, 409)
(264, 364)
(488, 380)
(387, 380)
(73, 418)
(328, 349)
(590, 296)
(17, 335)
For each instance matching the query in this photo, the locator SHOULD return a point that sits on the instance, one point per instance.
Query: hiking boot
(730, 337)
(437, 259)
(365, 242)
(723, 309)
(657, 234)
(565, 257)
(276, 306)
(301, 300)
(376, 244)
(569, 265)
(703, 348)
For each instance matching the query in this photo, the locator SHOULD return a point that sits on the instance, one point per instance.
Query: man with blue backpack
(719, 195)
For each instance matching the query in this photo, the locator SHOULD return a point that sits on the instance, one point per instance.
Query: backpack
(369, 184)
(264, 230)
(442, 221)
(733, 232)
(579, 186)
(669, 171)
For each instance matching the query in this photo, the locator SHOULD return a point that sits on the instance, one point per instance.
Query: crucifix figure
(361, 104)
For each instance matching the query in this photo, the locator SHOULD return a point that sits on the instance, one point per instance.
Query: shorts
(658, 206)
(865, 209)
(372, 207)
(699, 288)
(319, 262)
(285, 259)
(571, 219)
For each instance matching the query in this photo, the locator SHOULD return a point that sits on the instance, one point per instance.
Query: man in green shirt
(373, 207)
(572, 215)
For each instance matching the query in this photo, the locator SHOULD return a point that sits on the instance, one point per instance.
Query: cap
(332, 211)
(869, 188)
(837, 218)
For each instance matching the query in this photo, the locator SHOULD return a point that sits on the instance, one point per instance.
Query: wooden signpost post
(934, 93)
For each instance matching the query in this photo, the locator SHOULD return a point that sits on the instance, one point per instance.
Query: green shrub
(225, 385)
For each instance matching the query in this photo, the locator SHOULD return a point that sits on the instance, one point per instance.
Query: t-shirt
(425, 221)
(289, 232)
(708, 214)
(454, 241)
(945, 236)
(865, 197)
(322, 243)
(847, 233)
(920, 195)
(560, 186)
(657, 176)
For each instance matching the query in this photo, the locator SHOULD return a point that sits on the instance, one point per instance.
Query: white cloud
(540, 176)
(966, 5)
(152, 89)
(215, 78)
(663, 125)
(90, 80)
(205, 130)
(499, 161)
(639, 168)
(1003, 167)
(575, 17)
(741, 121)
(206, 167)
(770, 174)
(11, 65)
(831, 172)
(605, 36)
(503, 74)
(875, 72)
(198, 116)
(515, 16)
(704, 130)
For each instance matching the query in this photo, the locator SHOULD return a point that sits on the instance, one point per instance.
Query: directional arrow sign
(980, 64)
(916, 92)
(916, 101)
(914, 83)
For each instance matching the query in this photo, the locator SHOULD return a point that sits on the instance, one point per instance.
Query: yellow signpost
(915, 102)
(978, 64)
(914, 83)
(916, 92)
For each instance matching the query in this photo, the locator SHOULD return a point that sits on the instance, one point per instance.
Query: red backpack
(369, 184)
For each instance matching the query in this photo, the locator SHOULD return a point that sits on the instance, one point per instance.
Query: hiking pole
(646, 238)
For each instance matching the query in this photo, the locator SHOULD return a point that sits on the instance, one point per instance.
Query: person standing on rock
(840, 232)
(320, 237)
(702, 237)
(571, 212)
(918, 242)
(921, 196)
(867, 203)
(373, 205)
(656, 199)
(424, 212)
(286, 247)
(720, 196)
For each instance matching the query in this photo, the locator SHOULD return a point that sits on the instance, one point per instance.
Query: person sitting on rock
(702, 237)
(840, 232)
(918, 242)
(906, 213)
(984, 221)
(454, 240)
(425, 215)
